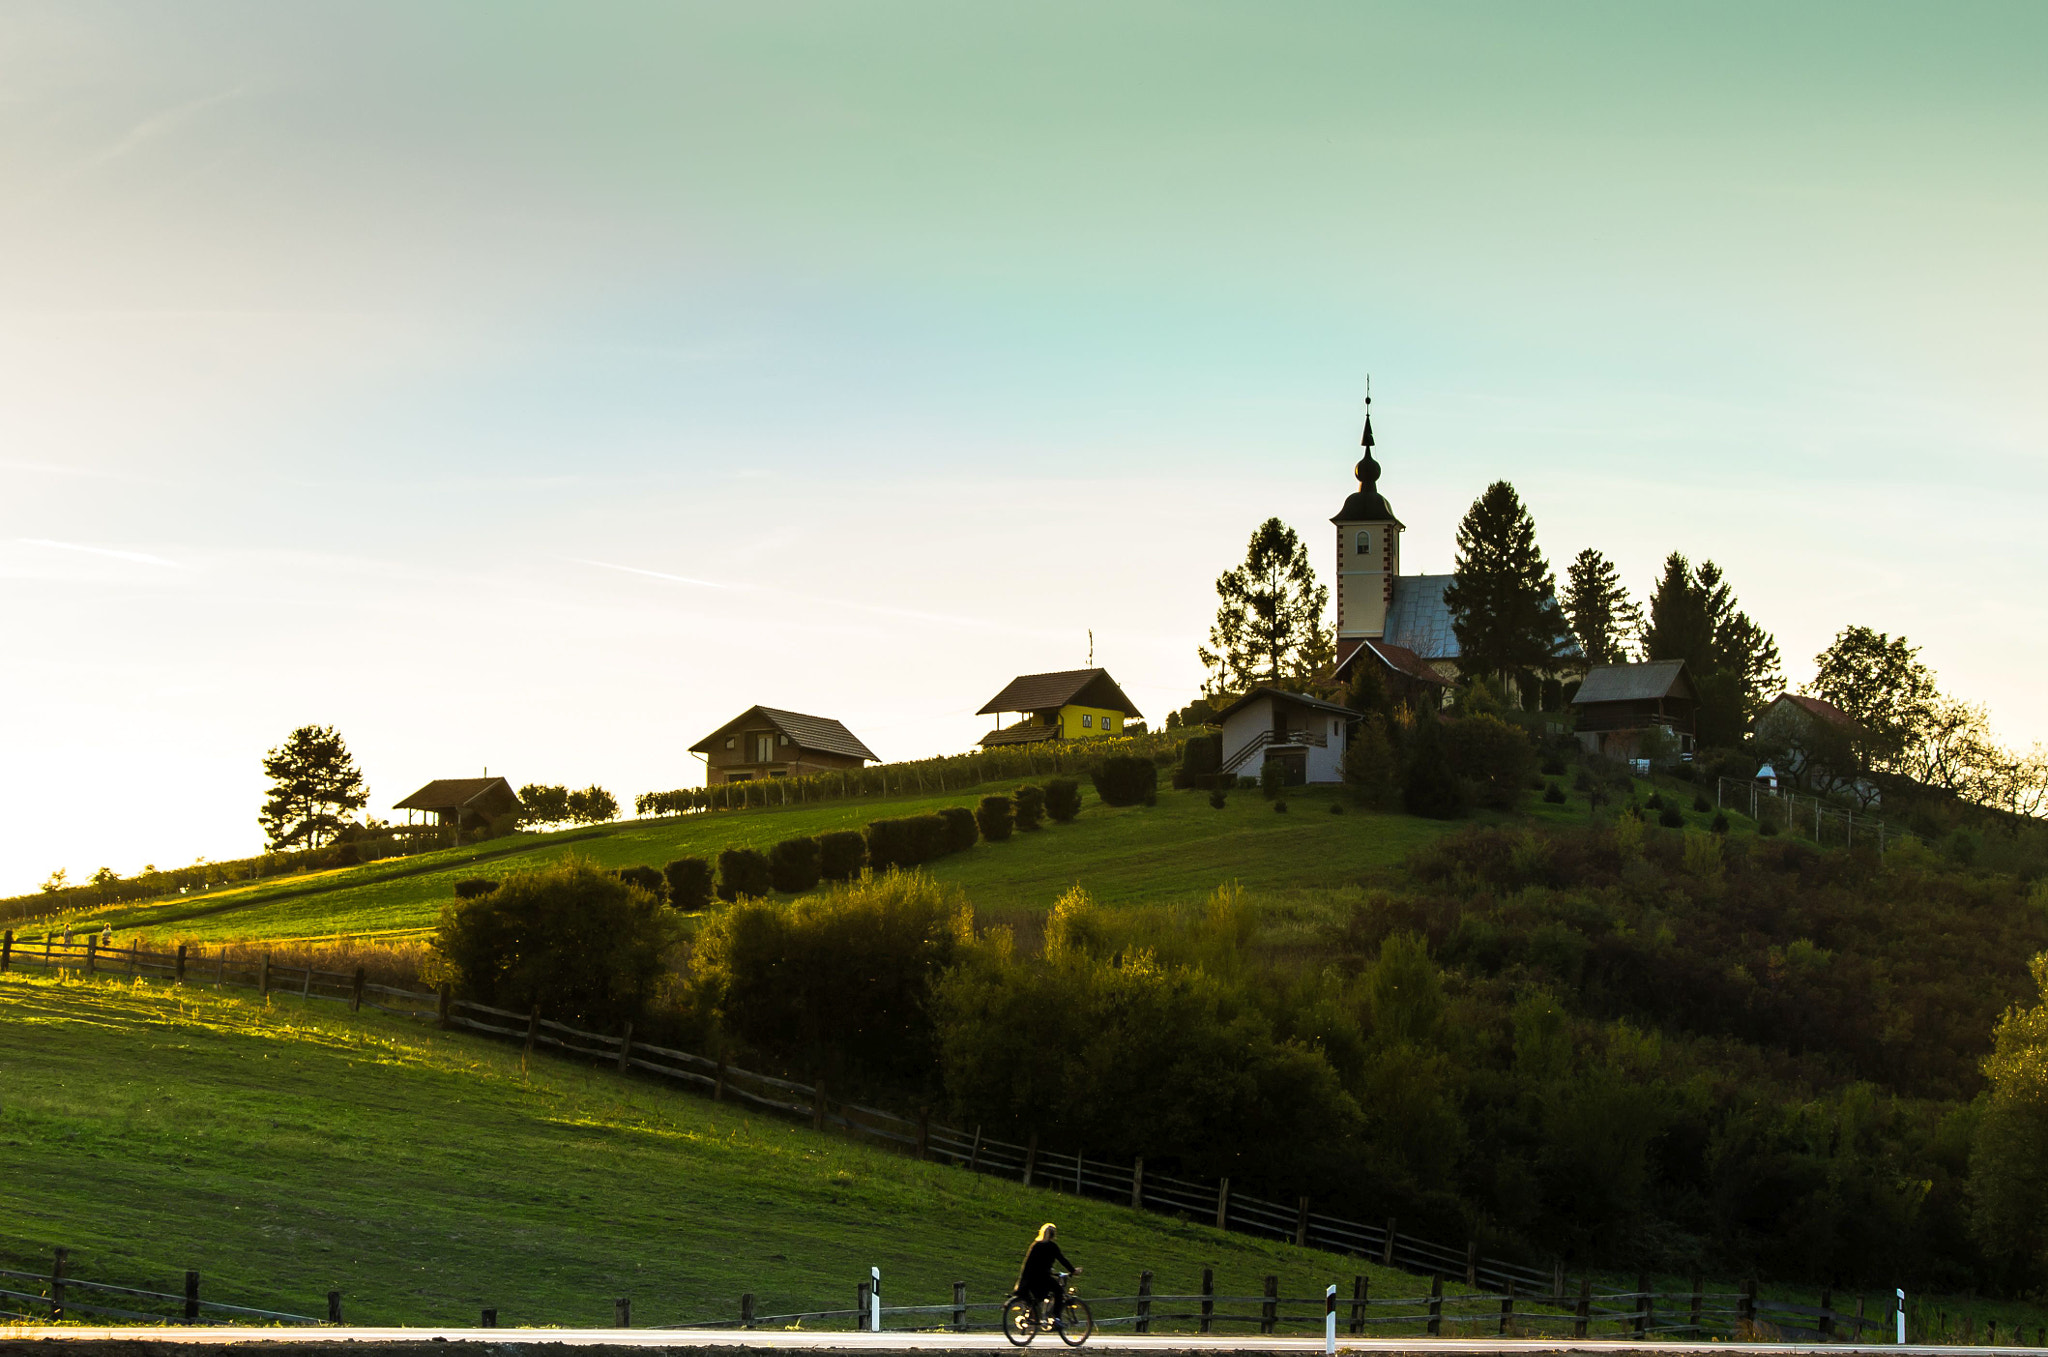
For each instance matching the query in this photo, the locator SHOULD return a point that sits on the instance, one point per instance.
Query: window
(1087, 722)
(764, 748)
(783, 740)
(731, 742)
(1364, 544)
(1109, 723)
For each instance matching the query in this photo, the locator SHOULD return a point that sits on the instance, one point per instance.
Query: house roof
(1400, 659)
(1302, 699)
(1044, 692)
(1816, 707)
(1635, 682)
(1020, 734)
(455, 793)
(819, 733)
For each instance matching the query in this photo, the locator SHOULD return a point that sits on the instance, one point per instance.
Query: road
(412, 1341)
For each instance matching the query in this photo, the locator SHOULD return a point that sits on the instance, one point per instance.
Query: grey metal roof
(821, 733)
(1634, 682)
(1044, 692)
(1419, 619)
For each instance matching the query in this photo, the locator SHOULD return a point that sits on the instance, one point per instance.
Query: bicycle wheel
(1075, 1322)
(1020, 1325)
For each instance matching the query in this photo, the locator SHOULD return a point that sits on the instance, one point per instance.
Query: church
(1397, 621)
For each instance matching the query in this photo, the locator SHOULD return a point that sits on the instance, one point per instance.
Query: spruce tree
(1503, 599)
(1734, 663)
(314, 784)
(1270, 626)
(1603, 616)
(1680, 628)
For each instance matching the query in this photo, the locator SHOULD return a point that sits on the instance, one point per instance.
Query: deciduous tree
(1269, 628)
(314, 784)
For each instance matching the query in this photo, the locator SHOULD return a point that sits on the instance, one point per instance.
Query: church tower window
(1364, 547)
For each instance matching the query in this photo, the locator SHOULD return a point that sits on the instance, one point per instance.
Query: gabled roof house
(1619, 702)
(769, 742)
(463, 801)
(1074, 704)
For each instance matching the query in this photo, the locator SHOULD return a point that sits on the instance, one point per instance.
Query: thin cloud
(141, 556)
(154, 126)
(659, 575)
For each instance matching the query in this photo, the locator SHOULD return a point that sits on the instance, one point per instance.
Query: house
(1813, 743)
(1618, 703)
(1404, 616)
(767, 742)
(1306, 735)
(465, 802)
(1075, 704)
(1405, 675)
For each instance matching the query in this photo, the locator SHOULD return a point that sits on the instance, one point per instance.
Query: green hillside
(284, 1153)
(1179, 849)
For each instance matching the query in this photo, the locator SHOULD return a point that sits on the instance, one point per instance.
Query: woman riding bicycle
(1036, 1280)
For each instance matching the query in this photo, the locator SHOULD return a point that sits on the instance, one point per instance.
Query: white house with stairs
(1306, 735)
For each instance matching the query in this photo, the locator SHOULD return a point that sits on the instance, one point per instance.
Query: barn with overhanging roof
(1074, 704)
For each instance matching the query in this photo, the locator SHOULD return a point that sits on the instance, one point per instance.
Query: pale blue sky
(347, 350)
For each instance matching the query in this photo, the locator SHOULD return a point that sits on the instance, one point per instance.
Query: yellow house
(1077, 704)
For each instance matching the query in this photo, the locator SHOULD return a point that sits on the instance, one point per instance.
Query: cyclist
(1035, 1280)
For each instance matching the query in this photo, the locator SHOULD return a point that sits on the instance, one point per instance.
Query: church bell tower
(1368, 554)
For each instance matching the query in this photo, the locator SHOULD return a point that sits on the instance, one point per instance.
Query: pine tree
(1503, 599)
(314, 784)
(1603, 616)
(1270, 627)
(1734, 663)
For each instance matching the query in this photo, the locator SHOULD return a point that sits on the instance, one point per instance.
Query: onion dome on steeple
(1367, 505)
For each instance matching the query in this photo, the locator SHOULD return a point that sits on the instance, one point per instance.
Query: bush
(474, 887)
(1720, 825)
(689, 883)
(1767, 828)
(1554, 794)
(838, 979)
(570, 938)
(1272, 778)
(1062, 799)
(743, 872)
(1372, 768)
(907, 841)
(841, 854)
(1699, 803)
(1656, 801)
(961, 832)
(1495, 757)
(1126, 780)
(1336, 808)
(1671, 817)
(647, 879)
(1553, 766)
(1431, 788)
(793, 865)
(933, 836)
(1280, 804)
(1199, 760)
(1218, 799)
(993, 815)
(1028, 803)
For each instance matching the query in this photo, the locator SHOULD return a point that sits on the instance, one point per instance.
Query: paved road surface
(842, 1341)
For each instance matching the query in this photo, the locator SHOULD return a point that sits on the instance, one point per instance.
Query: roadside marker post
(1330, 1320)
(874, 1300)
(1902, 1316)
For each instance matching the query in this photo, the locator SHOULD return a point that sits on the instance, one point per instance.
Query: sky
(536, 387)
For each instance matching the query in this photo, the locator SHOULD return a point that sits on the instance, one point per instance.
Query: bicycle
(1069, 1317)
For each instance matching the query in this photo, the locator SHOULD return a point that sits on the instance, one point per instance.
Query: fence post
(334, 1307)
(1387, 1254)
(860, 1308)
(63, 1256)
(191, 1297)
(924, 1133)
(1208, 1297)
(1144, 1323)
(1472, 1263)
(179, 973)
(1746, 1309)
(1269, 1308)
(1223, 1205)
(1583, 1315)
(7, 953)
(488, 1320)
(818, 1106)
(747, 1310)
(974, 1155)
(1030, 1158)
(1301, 1225)
(263, 978)
(1827, 1312)
(717, 1088)
(1079, 1160)
(1642, 1305)
(1699, 1286)
(1436, 1304)
(1358, 1303)
(959, 1307)
(1138, 1183)
(1557, 1281)
(1507, 1308)
(355, 990)
(92, 952)
(626, 1048)
(622, 1313)
(441, 1015)
(220, 969)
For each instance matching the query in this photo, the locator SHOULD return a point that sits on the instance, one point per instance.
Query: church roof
(1419, 619)
(1367, 504)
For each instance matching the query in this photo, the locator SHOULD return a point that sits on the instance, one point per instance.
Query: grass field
(284, 1153)
(1181, 848)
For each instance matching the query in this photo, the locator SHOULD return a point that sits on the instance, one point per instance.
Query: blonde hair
(1045, 1232)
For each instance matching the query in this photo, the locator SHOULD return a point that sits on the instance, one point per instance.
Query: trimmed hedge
(647, 879)
(689, 883)
(906, 841)
(993, 815)
(743, 871)
(841, 854)
(1062, 799)
(793, 865)
(1126, 781)
(473, 887)
(961, 834)
(1028, 805)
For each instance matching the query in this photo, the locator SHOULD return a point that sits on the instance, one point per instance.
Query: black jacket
(1035, 1277)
